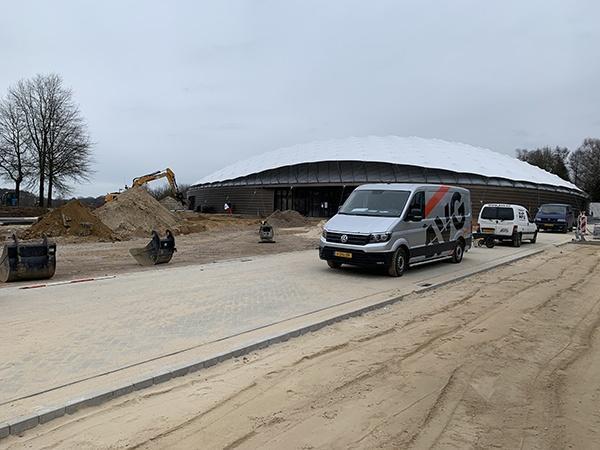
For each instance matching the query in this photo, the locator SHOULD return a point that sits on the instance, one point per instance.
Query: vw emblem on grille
(344, 238)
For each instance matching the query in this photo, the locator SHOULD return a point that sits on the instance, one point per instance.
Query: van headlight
(379, 237)
(324, 233)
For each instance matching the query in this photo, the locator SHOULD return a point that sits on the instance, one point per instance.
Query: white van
(506, 223)
(394, 225)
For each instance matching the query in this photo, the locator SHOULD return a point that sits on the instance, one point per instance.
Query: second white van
(505, 222)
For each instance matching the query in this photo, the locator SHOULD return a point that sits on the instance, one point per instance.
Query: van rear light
(478, 227)
(515, 228)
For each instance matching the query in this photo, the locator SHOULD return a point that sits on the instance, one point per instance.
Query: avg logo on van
(454, 215)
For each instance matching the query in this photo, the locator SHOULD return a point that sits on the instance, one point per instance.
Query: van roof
(406, 186)
(502, 205)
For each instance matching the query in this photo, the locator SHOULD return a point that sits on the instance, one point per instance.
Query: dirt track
(509, 358)
(81, 258)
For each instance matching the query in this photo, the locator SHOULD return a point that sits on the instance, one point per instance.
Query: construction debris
(72, 219)
(288, 219)
(136, 213)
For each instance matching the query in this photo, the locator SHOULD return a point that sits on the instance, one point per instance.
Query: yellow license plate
(343, 255)
(488, 230)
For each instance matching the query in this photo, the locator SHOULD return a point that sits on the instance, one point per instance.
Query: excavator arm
(168, 174)
(142, 180)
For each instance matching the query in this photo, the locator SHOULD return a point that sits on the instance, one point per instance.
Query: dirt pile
(287, 219)
(72, 219)
(136, 213)
(171, 204)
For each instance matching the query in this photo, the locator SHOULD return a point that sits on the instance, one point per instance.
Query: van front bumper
(559, 226)
(355, 257)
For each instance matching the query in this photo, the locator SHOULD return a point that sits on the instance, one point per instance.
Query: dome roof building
(315, 178)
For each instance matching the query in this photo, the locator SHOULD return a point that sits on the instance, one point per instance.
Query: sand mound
(136, 213)
(287, 219)
(72, 219)
(171, 204)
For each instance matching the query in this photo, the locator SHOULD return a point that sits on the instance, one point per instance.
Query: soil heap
(171, 204)
(287, 219)
(136, 213)
(72, 219)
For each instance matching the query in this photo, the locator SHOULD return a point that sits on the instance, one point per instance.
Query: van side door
(414, 225)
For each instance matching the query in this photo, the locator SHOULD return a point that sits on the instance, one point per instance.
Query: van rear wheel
(399, 263)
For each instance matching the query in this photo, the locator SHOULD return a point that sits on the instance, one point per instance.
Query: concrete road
(61, 335)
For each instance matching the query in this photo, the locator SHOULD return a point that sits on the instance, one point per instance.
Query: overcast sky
(197, 85)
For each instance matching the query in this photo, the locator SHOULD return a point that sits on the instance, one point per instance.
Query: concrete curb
(18, 425)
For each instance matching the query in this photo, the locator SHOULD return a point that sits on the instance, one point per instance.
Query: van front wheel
(517, 238)
(399, 263)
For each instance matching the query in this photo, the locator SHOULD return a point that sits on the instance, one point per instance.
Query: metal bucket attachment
(29, 260)
(158, 251)
(266, 233)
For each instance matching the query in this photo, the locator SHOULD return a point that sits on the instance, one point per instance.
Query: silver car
(395, 225)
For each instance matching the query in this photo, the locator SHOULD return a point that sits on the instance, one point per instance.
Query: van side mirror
(415, 215)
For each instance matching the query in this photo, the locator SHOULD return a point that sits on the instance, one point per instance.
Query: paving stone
(24, 423)
(48, 414)
(4, 430)
(161, 378)
(144, 383)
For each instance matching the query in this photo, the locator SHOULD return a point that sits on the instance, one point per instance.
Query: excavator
(140, 181)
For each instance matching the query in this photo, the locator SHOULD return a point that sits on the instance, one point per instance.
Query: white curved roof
(412, 151)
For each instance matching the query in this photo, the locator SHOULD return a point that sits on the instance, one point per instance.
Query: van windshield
(381, 203)
(553, 209)
(497, 213)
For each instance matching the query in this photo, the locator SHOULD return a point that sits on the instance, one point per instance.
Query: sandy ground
(508, 359)
(225, 238)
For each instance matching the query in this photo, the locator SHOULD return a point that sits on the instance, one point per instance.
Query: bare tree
(56, 131)
(577, 166)
(589, 167)
(15, 157)
(69, 156)
(553, 160)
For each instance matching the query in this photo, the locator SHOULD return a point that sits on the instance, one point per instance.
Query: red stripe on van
(437, 197)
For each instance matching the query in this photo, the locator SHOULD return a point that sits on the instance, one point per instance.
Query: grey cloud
(199, 85)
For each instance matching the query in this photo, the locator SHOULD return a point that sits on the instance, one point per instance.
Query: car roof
(502, 205)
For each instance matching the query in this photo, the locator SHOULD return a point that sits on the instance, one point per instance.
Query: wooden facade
(317, 189)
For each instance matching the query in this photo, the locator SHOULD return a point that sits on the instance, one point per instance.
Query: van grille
(353, 239)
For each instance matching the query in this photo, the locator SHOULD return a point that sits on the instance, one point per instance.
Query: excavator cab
(29, 260)
(157, 251)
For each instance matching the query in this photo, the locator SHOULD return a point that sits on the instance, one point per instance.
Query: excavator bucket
(29, 260)
(158, 251)
(266, 233)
